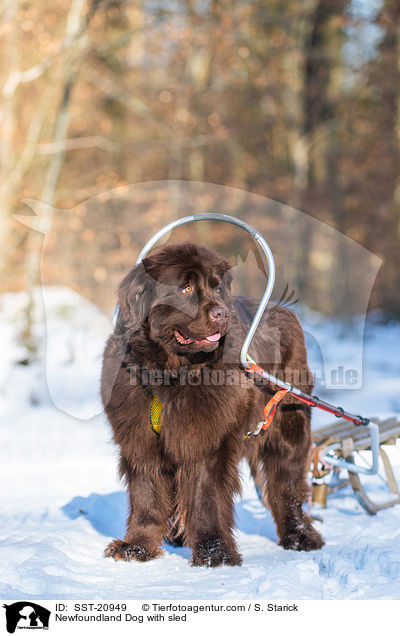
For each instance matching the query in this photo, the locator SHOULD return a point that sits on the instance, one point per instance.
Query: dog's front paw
(213, 552)
(305, 537)
(121, 551)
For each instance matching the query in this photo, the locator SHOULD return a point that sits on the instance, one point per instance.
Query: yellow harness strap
(155, 414)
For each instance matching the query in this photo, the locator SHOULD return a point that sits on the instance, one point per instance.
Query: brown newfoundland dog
(180, 406)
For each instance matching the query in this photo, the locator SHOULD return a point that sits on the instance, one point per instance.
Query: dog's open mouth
(186, 340)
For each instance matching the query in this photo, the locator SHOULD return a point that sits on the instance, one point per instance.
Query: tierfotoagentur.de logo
(26, 615)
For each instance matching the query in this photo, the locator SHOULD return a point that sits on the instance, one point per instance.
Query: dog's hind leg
(175, 536)
(285, 457)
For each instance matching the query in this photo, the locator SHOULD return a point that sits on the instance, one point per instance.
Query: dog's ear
(134, 297)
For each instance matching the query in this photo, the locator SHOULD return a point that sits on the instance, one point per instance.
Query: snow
(61, 501)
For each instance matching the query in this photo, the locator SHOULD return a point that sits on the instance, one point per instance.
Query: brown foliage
(260, 96)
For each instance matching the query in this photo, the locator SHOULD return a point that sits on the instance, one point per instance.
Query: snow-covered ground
(61, 501)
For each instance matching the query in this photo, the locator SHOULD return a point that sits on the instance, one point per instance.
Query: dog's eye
(188, 289)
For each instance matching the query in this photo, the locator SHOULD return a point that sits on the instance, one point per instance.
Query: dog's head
(181, 294)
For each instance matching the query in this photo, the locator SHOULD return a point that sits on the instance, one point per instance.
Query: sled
(338, 446)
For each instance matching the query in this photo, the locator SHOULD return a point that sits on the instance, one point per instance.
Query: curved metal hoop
(214, 216)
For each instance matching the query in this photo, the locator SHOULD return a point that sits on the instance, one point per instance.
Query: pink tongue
(182, 340)
(214, 337)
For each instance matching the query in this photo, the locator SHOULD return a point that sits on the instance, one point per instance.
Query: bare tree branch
(76, 143)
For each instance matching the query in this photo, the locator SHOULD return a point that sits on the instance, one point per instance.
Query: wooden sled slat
(339, 429)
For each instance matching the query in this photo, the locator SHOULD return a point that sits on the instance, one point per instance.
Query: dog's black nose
(219, 314)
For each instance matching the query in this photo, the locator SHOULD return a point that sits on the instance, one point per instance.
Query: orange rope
(270, 408)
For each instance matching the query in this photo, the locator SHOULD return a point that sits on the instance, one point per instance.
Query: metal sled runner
(336, 444)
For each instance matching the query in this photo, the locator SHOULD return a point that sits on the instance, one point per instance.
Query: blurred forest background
(295, 101)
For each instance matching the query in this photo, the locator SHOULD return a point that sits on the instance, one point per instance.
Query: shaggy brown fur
(178, 335)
